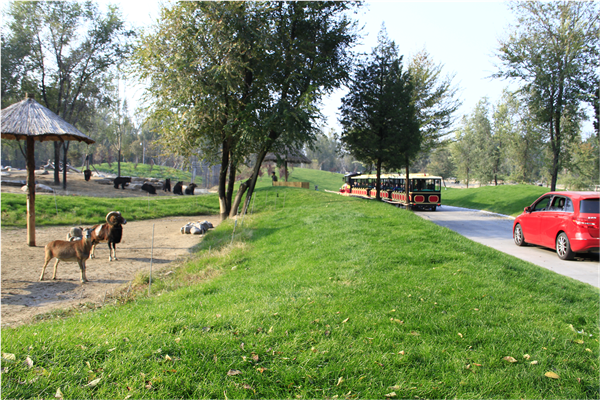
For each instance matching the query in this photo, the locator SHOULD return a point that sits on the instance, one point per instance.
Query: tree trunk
(259, 159)
(238, 198)
(57, 163)
(65, 150)
(407, 185)
(119, 162)
(31, 192)
(230, 186)
(378, 181)
(223, 208)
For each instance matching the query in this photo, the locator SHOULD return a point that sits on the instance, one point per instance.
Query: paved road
(495, 231)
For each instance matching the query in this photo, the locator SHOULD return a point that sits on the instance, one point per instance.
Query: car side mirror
(527, 209)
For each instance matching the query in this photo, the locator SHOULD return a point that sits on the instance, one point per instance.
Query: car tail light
(584, 222)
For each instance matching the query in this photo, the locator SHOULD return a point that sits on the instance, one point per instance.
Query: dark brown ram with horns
(111, 232)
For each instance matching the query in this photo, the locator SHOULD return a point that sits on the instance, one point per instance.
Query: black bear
(178, 188)
(147, 187)
(122, 180)
(190, 188)
(167, 185)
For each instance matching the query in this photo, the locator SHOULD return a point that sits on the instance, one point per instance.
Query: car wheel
(518, 236)
(563, 247)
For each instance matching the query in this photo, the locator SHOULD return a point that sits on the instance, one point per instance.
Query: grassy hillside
(322, 296)
(145, 170)
(322, 179)
(503, 199)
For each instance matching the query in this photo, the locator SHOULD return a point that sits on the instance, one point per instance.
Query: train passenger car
(424, 190)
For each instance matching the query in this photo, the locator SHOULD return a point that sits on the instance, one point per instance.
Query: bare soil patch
(23, 296)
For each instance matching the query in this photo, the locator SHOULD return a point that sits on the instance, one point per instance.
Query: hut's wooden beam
(30, 192)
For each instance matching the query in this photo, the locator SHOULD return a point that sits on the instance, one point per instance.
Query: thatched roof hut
(293, 156)
(28, 120)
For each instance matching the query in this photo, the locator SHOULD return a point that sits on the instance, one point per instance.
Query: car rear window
(589, 206)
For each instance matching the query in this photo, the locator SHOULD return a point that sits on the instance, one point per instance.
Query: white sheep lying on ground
(75, 233)
(196, 228)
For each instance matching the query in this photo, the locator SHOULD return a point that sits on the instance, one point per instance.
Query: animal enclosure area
(77, 185)
(24, 297)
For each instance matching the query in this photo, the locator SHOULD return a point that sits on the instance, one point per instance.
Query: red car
(565, 221)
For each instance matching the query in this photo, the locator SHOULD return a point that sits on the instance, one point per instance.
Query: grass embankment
(148, 171)
(328, 297)
(503, 199)
(80, 210)
(323, 179)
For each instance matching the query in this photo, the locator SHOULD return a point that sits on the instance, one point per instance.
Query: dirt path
(23, 296)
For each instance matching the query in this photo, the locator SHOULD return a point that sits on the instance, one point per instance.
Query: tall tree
(378, 116)
(583, 172)
(325, 151)
(521, 137)
(555, 53)
(463, 151)
(242, 78)
(201, 61)
(66, 49)
(441, 162)
(435, 99)
(308, 56)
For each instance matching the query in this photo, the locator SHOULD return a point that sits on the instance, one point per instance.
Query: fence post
(151, 258)
(233, 233)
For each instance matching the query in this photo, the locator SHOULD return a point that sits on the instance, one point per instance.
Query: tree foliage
(64, 52)
(466, 149)
(201, 61)
(522, 139)
(434, 96)
(554, 53)
(583, 172)
(441, 162)
(242, 78)
(308, 46)
(378, 116)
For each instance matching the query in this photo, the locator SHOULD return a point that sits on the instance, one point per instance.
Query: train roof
(397, 176)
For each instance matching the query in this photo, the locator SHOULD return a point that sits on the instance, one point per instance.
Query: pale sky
(463, 36)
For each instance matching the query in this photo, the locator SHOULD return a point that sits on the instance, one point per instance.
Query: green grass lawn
(148, 171)
(323, 296)
(323, 179)
(81, 210)
(503, 199)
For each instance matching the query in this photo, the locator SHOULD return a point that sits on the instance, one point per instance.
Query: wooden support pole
(30, 193)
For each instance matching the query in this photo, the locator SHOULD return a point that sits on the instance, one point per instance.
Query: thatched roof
(30, 118)
(292, 156)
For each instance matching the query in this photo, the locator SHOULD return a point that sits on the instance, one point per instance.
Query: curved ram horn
(110, 214)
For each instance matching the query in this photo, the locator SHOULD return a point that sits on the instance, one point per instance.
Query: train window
(425, 185)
